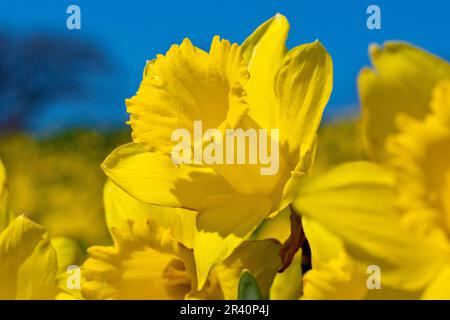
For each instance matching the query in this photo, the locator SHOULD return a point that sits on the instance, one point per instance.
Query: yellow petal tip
(374, 48)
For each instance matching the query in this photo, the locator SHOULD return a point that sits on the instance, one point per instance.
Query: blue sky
(133, 31)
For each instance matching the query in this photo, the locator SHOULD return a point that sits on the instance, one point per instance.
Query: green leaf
(248, 288)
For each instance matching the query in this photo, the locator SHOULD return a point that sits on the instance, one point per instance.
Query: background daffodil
(415, 144)
(359, 210)
(393, 215)
(401, 82)
(259, 84)
(29, 264)
(30, 267)
(420, 156)
(155, 261)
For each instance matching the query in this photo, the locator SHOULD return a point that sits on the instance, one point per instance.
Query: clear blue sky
(133, 31)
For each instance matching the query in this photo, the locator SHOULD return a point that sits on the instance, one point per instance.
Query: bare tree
(41, 69)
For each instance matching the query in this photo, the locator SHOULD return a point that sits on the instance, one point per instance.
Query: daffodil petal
(303, 86)
(354, 201)
(277, 227)
(120, 206)
(6, 213)
(288, 284)
(290, 189)
(62, 295)
(28, 261)
(438, 289)
(335, 281)
(263, 52)
(259, 257)
(69, 254)
(222, 225)
(68, 251)
(390, 293)
(325, 246)
(441, 100)
(152, 178)
(401, 82)
(333, 275)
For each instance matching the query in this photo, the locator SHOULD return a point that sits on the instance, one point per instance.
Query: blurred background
(62, 91)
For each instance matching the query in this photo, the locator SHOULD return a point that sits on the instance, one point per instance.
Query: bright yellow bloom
(395, 216)
(259, 84)
(420, 157)
(402, 82)
(28, 263)
(149, 261)
(417, 144)
(359, 209)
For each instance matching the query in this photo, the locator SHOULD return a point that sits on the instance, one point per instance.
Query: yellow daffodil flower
(420, 157)
(401, 83)
(147, 263)
(28, 262)
(394, 215)
(155, 261)
(355, 202)
(412, 88)
(259, 84)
